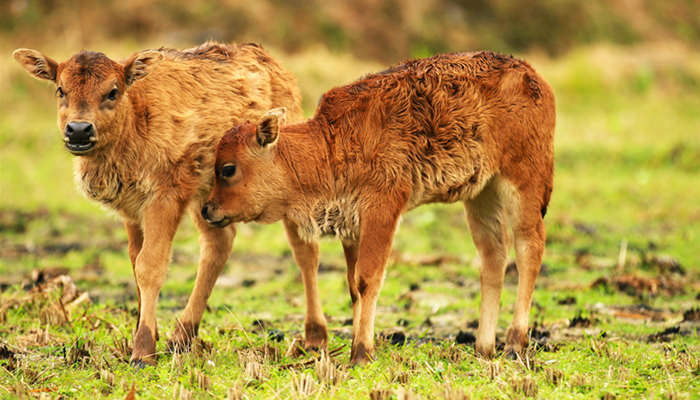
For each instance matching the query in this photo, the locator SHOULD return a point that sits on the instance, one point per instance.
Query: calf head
(90, 90)
(250, 180)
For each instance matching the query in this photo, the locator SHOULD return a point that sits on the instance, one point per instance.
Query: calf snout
(213, 215)
(79, 137)
(205, 212)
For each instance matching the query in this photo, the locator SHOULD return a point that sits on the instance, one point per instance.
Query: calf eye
(60, 92)
(228, 170)
(113, 94)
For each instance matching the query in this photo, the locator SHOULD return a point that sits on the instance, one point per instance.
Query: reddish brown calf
(476, 128)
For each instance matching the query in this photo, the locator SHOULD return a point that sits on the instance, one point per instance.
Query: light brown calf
(476, 128)
(145, 131)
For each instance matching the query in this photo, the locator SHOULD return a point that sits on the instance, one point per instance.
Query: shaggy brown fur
(156, 119)
(476, 128)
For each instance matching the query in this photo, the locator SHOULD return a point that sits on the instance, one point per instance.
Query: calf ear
(37, 64)
(140, 64)
(269, 126)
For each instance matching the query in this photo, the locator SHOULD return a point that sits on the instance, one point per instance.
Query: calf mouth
(221, 223)
(80, 148)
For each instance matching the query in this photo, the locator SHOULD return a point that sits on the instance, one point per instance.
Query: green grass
(627, 170)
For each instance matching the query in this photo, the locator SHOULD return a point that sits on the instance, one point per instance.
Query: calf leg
(487, 224)
(215, 246)
(306, 256)
(529, 248)
(376, 235)
(160, 221)
(350, 249)
(135, 235)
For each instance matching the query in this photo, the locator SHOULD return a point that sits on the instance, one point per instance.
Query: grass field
(615, 311)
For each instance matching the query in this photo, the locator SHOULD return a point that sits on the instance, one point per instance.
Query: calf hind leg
(351, 248)
(487, 222)
(215, 247)
(529, 247)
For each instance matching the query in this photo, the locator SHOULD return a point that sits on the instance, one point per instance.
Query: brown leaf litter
(53, 298)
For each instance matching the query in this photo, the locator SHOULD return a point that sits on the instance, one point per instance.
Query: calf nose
(79, 132)
(205, 212)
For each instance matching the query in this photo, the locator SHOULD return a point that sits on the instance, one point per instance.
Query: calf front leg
(306, 256)
(135, 235)
(215, 246)
(376, 235)
(160, 221)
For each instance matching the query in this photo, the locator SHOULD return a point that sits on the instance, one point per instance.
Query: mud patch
(248, 269)
(638, 286)
(579, 321)
(542, 338)
(664, 263)
(587, 261)
(395, 338)
(567, 301)
(692, 315)
(672, 332)
(425, 260)
(8, 356)
(465, 338)
(16, 221)
(637, 312)
(17, 250)
(330, 267)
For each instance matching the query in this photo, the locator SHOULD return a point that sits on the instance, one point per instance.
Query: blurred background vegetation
(385, 30)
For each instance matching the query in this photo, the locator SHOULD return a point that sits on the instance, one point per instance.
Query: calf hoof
(144, 347)
(312, 348)
(511, 354)
(361, 355)
(184, 333)
(516, 343)
(484, 351)
(316, 337)
(139, 364)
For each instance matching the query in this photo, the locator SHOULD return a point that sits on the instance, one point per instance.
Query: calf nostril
(205, 212)
(80, 131)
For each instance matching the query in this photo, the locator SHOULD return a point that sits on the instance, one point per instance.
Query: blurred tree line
(385, 30)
